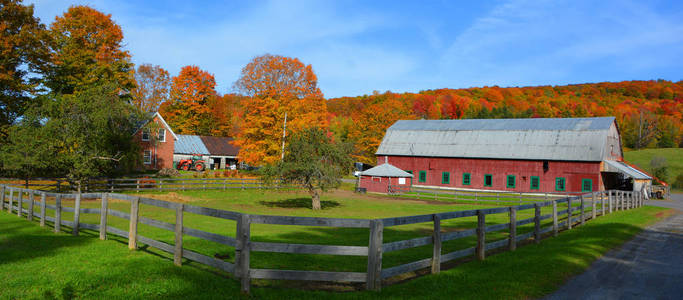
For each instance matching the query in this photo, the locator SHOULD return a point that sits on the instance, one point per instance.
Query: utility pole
(284, 134)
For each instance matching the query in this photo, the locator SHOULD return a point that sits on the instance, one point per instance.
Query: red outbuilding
(554, 155)
(383, 178)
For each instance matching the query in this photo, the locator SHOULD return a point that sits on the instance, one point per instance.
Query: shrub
(659, 167)
(678, 183)
(168, 172)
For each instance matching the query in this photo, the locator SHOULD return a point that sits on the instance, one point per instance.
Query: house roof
(386, 170)
(142, 123)
(190, 144)
(621, 167)
(573, 139)
(220, 145)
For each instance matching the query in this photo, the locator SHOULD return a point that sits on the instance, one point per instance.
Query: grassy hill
(674, 157)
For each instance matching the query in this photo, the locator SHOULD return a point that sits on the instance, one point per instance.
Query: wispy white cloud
(529, 42)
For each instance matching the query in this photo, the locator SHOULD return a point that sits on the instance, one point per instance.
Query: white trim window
(145, 134)
(147, 157)
(162, 135)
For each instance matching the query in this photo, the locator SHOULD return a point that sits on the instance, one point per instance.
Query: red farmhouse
(157, 153)
(520, 155)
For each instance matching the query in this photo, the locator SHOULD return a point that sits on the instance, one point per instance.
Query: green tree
(90, 133)
(22, 53)
(312, 161)
(659, 168)
(25, 153)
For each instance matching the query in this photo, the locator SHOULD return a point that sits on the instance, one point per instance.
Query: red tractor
(196, 163)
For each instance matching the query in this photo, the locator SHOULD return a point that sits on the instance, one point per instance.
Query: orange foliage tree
(276, 85)
(188, 109)
(86, 50)
(153, 84)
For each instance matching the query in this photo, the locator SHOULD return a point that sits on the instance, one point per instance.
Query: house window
(145, 134)
(445, 178)
(511, 181)
(147, 157)
(488, 180)
(586, 185)
(466, 178)
(423, 176)
(560, 184)
(535, 182)
(162, 135)
(402, 180)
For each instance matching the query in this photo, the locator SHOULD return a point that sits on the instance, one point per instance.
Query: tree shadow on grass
(299, 203)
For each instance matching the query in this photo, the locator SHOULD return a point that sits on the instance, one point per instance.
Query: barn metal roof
(620, 167)
(386, 170)
(575, 139)
(190, 144)
(218, 145)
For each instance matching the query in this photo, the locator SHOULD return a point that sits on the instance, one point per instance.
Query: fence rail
(112, 185)
(601, 203)
(498, 197)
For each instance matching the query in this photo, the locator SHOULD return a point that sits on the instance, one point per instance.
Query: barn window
(402, 180)
(445, 178)
(586, 185)
(147, 157)
(535, 182)
(466, 179)
(560, 184)
(423, 176)
(376, 179)
(488, 180)
(511, 181)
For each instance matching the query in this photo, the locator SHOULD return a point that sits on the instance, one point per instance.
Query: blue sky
(357, 47)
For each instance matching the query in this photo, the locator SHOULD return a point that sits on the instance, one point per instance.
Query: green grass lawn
(36, 263)
(642, 158)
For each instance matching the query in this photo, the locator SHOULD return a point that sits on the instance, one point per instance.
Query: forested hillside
(649, 113)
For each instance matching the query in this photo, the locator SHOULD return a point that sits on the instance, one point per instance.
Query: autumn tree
(152, 87)
(188, 110)
(277, 85)
(22, 53)
(312, 161)
(86, 50)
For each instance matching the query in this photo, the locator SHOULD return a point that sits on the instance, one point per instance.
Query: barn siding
(573, 172)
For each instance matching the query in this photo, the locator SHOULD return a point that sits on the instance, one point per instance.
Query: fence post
(537, 223)
(2, 197)
(243, 183)
(58, 213)
(512, 242)
(609, 200)
(569, 213)
(520, 198)
(161, 183)
(436, 241)
(30, 205)
(497, 197)
(481, 235)
(602, 203)
(583, 211)
(133, 228)
(11, 195)
(178, 251)
(104, 211)
(242, 251)
(374, 278)
(555, 228)
(20, 202)
(546, 196)
(42, 210)
(77, 213)
(593, 206)
(137, 185)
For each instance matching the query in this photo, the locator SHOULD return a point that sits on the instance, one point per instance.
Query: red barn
(552, 155)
